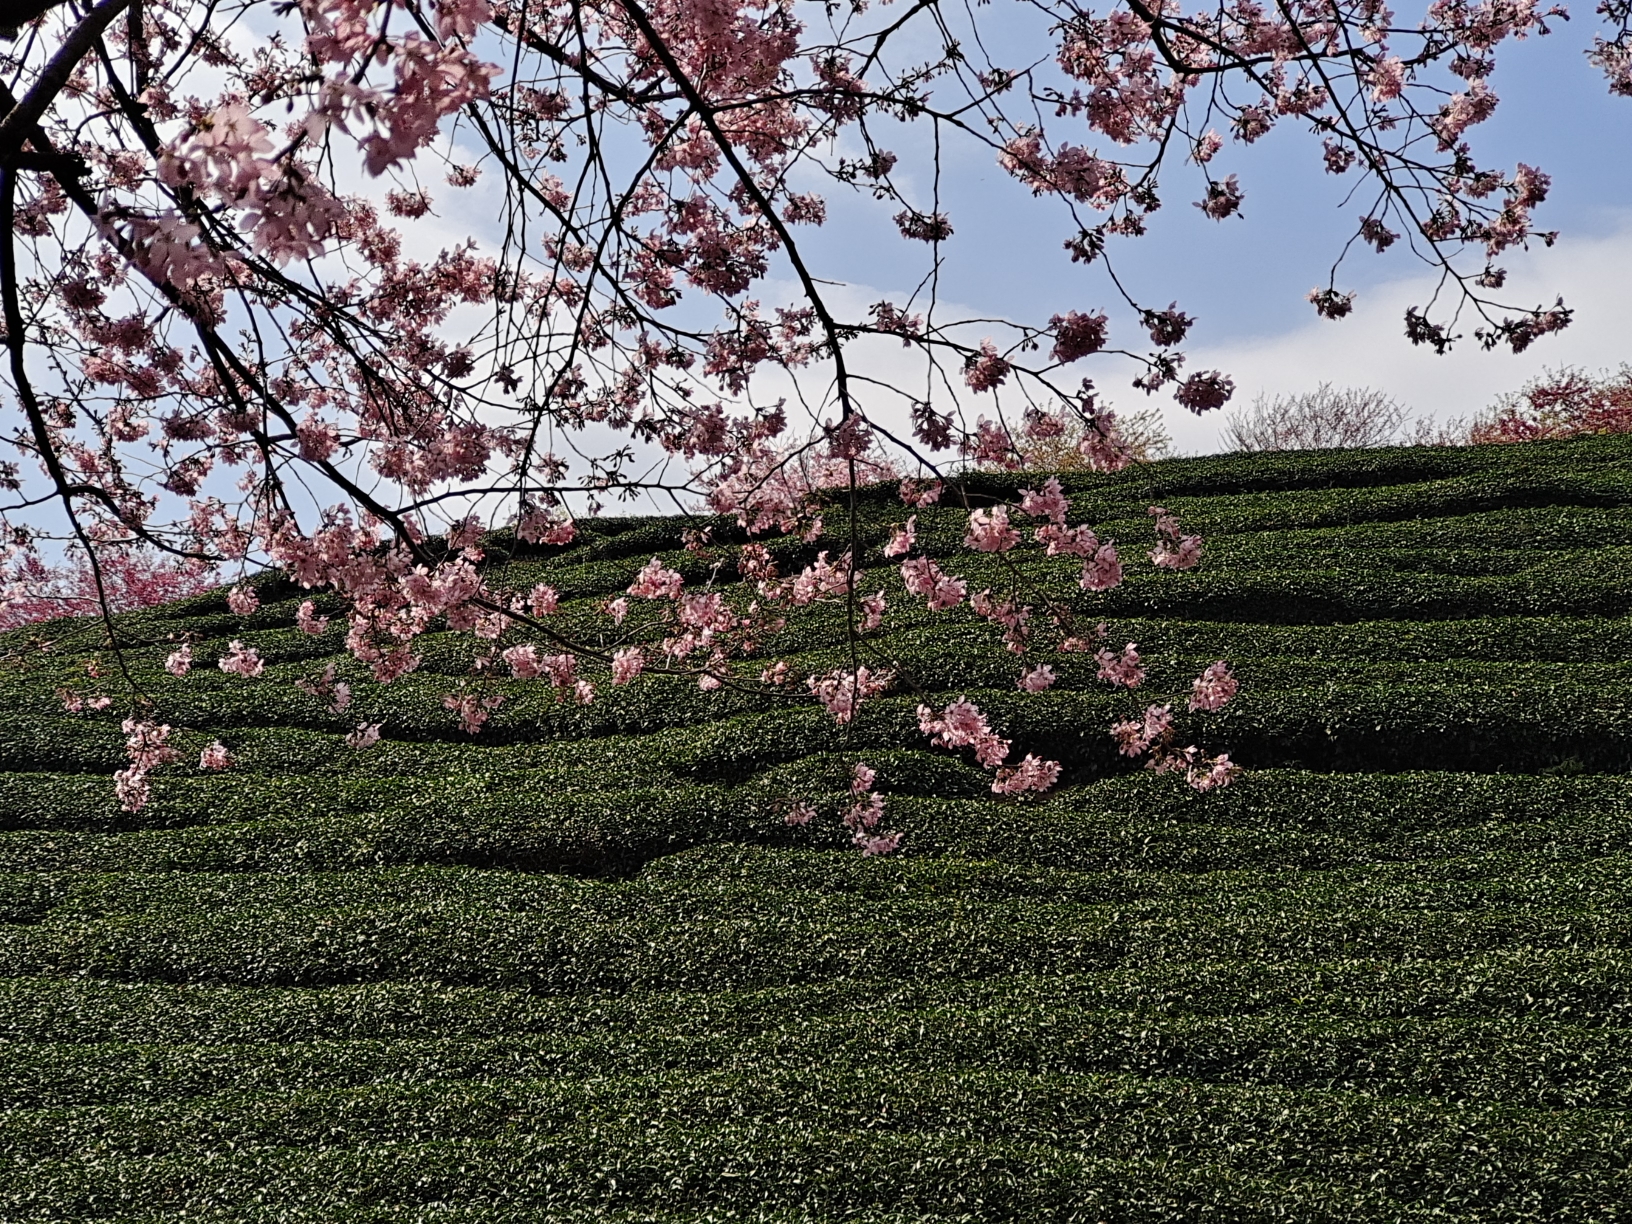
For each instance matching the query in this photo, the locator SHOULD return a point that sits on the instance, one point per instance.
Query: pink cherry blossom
(872, 611)
(1103, 570)
(544, 526)
(131, 788)
(241, 660)
(243, 600)
(842, 692)
(32, 590)
(986, 370)
(1208, 775)
(1135, 738)
(461, 19)
(1077, 541)
(914, 494)
(462, 537)
(562, 669)
(821, 579)
(1036, 679)
(627, 663)
(962, 725)
(1157, 721)
(878, 843)
(864, 816)
(992, 446)
(318, 438)
(989, 531)
(1124, 669)
(861, 818)
(1213, 689)
(308, 621)
(387, 666)
(1031, 774)
(1173, 550)
(656, 581)
(335, 693)
(1051, 503)
(215, 756)
(1183, 554)
(366, 735)
(1130, 738)
(1464, 110)
(1102, 444)
(902, 538)
(923, 576)
(1387, 79)
(865, 813)
(1014, 617)
(472, 711)
(147, 748)
(1205, 391)
(1077, 335)
(524, 662)
(179, 661)
(1222, 199)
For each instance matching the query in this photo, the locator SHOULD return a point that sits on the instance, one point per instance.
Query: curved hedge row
(578, 968)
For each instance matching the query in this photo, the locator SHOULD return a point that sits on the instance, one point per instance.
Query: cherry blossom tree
(1567, 403)
(121, 579)
(239, 333)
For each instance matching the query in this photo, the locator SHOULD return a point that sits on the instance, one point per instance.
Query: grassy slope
(577, 970)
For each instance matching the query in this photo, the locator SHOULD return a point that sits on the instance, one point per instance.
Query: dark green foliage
(578, 968)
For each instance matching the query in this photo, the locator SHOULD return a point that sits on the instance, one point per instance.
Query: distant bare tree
(1425, 431)
(1324, 418)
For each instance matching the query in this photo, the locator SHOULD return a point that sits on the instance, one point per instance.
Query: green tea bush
(578, 966)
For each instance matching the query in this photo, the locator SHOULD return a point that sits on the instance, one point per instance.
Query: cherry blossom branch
(16, 347)
(22, 116)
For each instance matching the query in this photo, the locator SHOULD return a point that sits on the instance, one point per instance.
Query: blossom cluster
(1153, 736)
(233, 255)
(182, 174)
(148, 747)
(672, 627)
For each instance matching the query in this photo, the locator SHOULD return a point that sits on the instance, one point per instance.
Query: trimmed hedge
(578, 968)
(999, 1145)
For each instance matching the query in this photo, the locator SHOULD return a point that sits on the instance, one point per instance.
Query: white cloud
(1594, 276)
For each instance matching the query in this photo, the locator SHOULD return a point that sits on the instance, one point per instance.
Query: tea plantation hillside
(577, 969)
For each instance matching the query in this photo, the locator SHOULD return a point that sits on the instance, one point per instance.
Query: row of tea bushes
(579, 968)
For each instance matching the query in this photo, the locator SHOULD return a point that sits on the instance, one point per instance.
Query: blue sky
(1245, 279)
